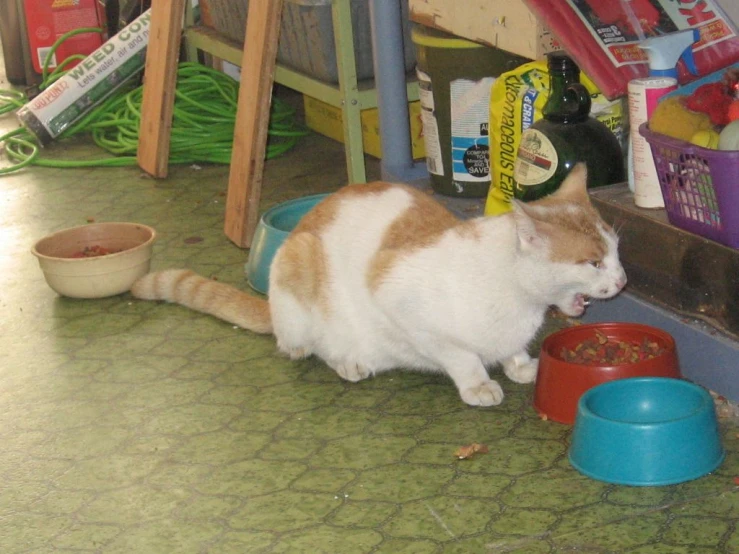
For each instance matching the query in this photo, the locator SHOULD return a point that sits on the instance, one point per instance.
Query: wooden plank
(220, 46)
(215, 43)
(160, 79)
(252, 120)
(505, 24)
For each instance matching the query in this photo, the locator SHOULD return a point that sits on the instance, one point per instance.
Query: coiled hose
(202, 126)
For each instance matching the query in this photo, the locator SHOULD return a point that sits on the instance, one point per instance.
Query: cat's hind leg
(297, 283)
(292, 326)
(294, 353)
(521, 368)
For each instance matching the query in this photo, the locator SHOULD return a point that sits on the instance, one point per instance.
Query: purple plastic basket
(700, 186)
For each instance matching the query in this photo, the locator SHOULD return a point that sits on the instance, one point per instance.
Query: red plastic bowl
(559, 384)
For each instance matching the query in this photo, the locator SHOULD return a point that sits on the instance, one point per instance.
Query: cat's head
(575, 251)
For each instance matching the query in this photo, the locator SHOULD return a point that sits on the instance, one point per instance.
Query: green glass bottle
(565, 135)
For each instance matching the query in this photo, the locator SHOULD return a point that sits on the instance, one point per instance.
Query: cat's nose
(621, 283)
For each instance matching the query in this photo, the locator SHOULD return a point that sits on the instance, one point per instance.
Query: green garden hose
(11, 100)
(202, 126)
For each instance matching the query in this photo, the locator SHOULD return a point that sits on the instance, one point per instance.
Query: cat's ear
(529, 230)
(575, 186)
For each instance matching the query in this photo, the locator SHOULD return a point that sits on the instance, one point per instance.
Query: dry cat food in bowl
(96, 260)
(578, 358)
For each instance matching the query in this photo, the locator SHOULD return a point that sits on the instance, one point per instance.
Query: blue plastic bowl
(646, 431)
(272, 230)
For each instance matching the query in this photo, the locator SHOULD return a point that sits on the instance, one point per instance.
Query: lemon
(707, 138)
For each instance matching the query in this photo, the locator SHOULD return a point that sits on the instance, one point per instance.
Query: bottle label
(470, 116)
(536, 159)
(431, 142)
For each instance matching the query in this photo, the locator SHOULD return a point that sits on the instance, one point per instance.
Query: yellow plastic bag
(516, 100)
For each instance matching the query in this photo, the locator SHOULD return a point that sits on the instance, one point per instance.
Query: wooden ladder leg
(252, 120)
(190, 51)
(351, 107)
(160, 80)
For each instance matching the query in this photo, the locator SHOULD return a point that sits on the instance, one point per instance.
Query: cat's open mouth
(577, 307)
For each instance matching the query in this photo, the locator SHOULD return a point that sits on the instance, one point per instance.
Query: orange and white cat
(381, 276)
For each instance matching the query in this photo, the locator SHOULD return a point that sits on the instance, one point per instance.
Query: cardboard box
(505, 24)
(326, 119)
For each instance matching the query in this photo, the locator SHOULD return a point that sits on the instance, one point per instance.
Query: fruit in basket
(673, 118)
(729, 137)
(734, 111)
(706, 138)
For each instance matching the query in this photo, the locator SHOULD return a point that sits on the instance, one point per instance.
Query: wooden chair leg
(157, 104)
(252, 120)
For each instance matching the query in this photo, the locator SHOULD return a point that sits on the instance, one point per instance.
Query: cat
(381, 276)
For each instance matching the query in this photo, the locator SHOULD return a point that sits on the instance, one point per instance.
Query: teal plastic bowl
(646, 431)
(272, 230)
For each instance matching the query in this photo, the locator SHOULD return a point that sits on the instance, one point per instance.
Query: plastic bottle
(565, 135)
(663, 54)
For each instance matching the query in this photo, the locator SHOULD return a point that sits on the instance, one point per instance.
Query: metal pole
(392, 98)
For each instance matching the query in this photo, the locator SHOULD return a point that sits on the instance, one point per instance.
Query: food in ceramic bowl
(95, 260)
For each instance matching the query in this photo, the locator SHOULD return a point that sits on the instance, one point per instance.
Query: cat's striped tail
(185, 287)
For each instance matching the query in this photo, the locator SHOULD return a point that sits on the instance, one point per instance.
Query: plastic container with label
(454, 78)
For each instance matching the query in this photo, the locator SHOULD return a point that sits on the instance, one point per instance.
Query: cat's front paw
(351, 371)
(487, 393)
(521, 370)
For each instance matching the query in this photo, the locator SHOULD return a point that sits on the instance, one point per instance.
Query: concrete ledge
(675, 269)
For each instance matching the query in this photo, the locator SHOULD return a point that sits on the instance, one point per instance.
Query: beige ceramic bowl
(96, 276)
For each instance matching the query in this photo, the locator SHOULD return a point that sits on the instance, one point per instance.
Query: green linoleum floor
(134, 427)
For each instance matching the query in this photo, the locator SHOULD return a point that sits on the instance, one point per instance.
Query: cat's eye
(595, 263)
